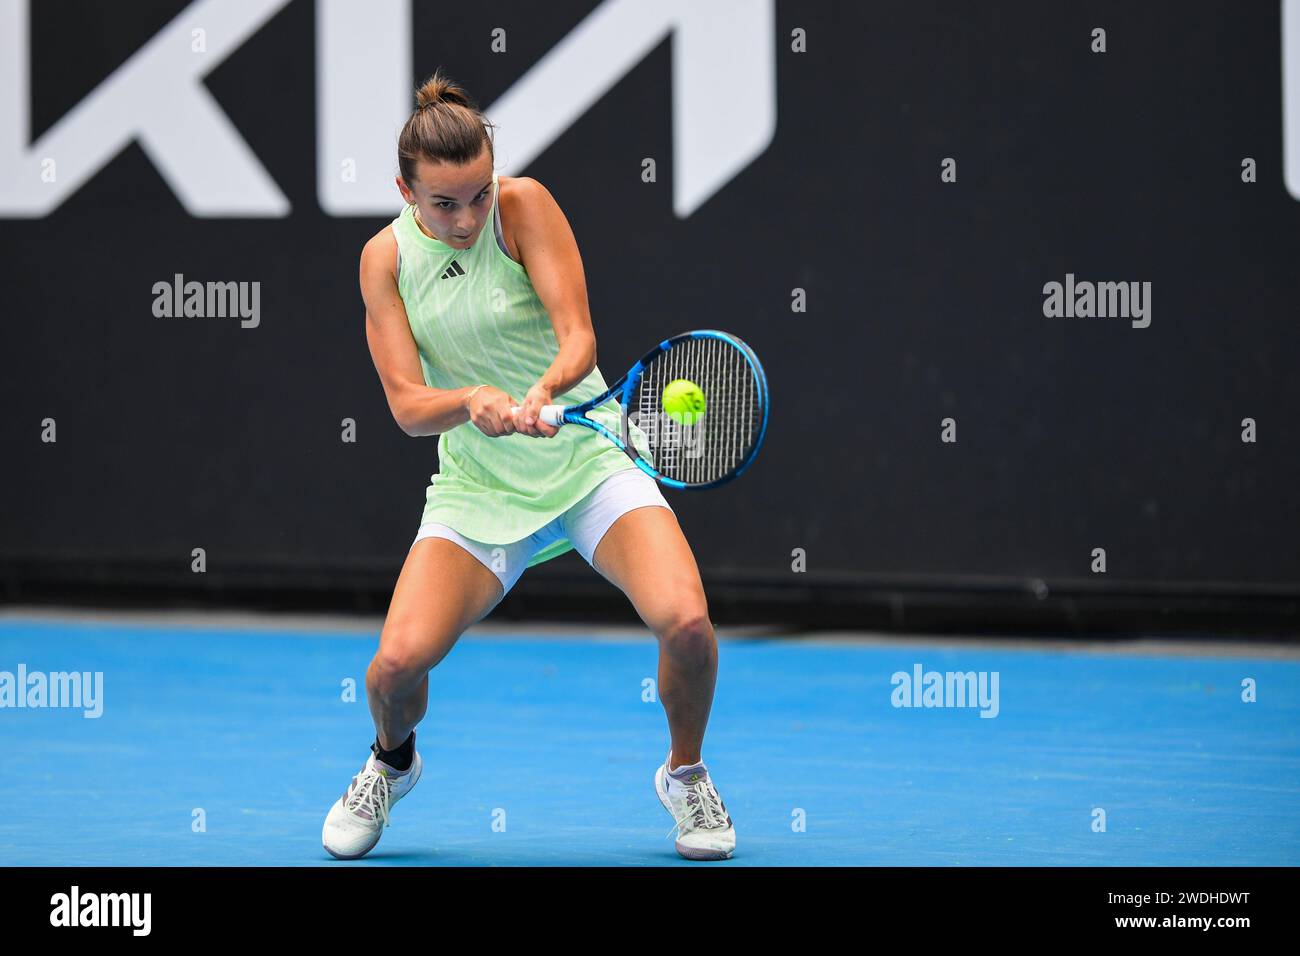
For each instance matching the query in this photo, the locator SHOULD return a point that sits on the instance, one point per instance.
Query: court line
(361, 625)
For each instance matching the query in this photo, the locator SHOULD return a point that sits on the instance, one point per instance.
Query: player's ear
(402, 188)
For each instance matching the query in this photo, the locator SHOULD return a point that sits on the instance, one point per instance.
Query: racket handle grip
(551, 414)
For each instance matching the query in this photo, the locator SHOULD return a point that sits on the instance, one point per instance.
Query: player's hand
(528, 420)
(489, 410)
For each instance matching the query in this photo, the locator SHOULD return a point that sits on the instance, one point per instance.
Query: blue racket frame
(625, 389)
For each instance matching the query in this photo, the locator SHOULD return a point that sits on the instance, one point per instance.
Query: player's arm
(549, 253)
(418, 409)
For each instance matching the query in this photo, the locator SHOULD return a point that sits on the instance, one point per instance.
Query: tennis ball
(683, 401)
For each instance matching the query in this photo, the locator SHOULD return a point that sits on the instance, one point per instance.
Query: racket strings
(720, 439)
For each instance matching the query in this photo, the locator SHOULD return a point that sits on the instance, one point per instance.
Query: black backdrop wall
(924, 301)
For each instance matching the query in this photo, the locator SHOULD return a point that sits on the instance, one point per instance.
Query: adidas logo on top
(453, 270)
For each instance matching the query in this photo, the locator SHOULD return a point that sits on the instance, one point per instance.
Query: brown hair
(447, 126)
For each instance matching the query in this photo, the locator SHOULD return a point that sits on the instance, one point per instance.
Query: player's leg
(646, 556)
(441, 591)
(629, 533)
(446, 584)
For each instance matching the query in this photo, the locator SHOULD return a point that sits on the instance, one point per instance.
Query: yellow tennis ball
(683, 401)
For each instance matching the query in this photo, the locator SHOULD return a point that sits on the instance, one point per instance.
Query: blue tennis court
(226, 746)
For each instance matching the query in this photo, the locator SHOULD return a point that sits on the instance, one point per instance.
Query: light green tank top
(476, 318)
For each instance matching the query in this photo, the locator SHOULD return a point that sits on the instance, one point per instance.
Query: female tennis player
(476, 301)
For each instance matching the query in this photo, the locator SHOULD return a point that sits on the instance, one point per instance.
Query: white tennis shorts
(584, 524)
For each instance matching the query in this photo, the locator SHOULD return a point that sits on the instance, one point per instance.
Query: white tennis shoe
(688, 794)
(357, 820)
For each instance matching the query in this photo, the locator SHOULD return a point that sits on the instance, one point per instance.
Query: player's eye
(447, 203)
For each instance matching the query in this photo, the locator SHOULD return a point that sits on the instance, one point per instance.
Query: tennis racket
(709, 444)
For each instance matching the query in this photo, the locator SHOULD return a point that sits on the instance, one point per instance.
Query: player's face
(454, 201)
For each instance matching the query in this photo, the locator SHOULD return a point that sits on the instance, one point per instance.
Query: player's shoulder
(520, 187)
(522, 195)
(380, 250)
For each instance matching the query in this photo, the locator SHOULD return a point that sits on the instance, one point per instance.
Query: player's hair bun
(439, 89)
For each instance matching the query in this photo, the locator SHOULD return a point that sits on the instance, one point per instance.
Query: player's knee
(393, 671)
(688, 632)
